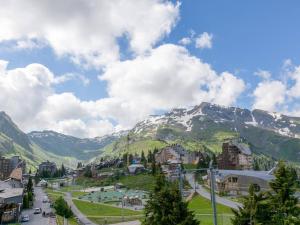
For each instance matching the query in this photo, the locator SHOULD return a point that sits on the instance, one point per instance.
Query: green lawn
(71, 221)
(144, 182)
(101, 210)
(76, 194)
(110, 220)
(53, 195)
(203, 211)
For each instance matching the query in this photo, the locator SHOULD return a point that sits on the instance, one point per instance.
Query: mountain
(65, 145)
(11, 130)
(48, 145)
(202, 127)
(206, 126)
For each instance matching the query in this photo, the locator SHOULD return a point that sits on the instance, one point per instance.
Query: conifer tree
(166, 207)
(282, 197)
(255, 210)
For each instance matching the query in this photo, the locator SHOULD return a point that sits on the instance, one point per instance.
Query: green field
(71, 221)
(144, 182)
(203, 211)
(102, 210)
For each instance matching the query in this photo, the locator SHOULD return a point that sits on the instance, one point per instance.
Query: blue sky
(247, 38)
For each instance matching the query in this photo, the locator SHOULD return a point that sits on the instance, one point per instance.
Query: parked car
(25, 218)
(45, 199)
(37, 211)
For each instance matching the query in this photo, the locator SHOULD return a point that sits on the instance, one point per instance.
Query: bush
(61, 207)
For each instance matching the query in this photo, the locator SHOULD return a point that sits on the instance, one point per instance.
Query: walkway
(204, 193)
(129, 223)
(81, 217)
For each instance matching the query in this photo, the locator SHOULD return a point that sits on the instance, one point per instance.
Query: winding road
(204, 193)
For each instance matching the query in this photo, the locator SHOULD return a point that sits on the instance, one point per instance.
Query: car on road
(37, 211)
(45, 199)
(25, 218)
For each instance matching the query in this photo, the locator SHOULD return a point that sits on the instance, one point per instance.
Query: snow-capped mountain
(235, 117)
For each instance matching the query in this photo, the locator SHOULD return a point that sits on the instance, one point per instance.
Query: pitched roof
(17, 174)
(265, 175)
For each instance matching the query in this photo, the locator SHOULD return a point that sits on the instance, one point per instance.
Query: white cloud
(294, 91)
(279, 95)
(71, 76)
(87, 31)
(166, 78)
(28, 96)
(185, 41)
(264, 74)
(204, 40)
(269, 95)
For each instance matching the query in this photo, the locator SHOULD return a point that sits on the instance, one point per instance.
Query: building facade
(235, 156)
(176, 152)
(237, 182)
(7, 165)
(47, 167)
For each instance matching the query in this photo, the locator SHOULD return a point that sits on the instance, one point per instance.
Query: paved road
(204, 193)
(129, 223)
(82, 218)
(38, 219)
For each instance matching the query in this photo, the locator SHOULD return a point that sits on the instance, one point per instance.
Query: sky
(90, 68)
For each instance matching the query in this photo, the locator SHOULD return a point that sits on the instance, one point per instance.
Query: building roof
(265, 175)
(17, 174)
(244, 148)
(136, 166)
(11, 192)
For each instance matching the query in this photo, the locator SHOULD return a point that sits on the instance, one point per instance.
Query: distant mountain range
(38, 146)
(206, 126)
(203, 127)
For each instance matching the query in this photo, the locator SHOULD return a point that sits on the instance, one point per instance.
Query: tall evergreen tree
(29, 186)
(166, 207)
(255, 210)
(282, 196)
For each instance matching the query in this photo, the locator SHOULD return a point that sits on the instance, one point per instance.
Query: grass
(203, 211)
(110, 220)
(102, 210)
(53, 195)
(144, 182)
(71, 221)
(76, 194)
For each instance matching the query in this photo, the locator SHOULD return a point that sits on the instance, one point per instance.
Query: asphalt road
(38, 219)
(82, 218)
(204, 193)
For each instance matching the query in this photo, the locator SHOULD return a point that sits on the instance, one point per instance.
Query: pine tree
(166, 207)
(29, 186)
(282, 197)
(149, 157)
(255, 210)
(153, 167)
(25, 202)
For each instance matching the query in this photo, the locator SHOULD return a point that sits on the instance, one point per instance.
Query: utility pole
(212, 190)
(180, 180)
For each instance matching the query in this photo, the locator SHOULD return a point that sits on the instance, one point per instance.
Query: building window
(232, 179)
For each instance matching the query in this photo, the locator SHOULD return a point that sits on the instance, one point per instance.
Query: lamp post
(212, 188)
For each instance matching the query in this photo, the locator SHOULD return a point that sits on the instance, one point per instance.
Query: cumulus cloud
(166, 78)
(185, 41)
(87, 31)
(269, 95)
(28, 96)
(264, 74)
(279, 95)
(204, 40)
